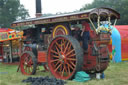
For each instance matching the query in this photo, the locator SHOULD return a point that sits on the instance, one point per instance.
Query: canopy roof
(9, 34)
(5, 30)
(82, 15)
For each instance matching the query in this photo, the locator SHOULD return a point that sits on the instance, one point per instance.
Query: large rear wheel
(65, 57)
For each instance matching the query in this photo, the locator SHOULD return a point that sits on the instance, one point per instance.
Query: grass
(116, 74)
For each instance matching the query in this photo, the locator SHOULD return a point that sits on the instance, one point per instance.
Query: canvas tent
(120, 41)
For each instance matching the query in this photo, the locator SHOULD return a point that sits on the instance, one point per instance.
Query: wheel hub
(62, 58)
(26, 63)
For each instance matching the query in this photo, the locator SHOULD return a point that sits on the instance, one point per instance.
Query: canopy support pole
(98, 21)
(92, 25)
(115, 22)
(10, 49)
(109, 20)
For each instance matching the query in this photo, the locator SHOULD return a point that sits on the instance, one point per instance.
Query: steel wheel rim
(26, 64)
(62, 63)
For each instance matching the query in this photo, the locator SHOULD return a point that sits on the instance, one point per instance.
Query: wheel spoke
(57, 49)
(62, 72)
(29, 69)
(55, 56)
(66, 47)
(25, 68)
(69, 47)
(54, 52)
(63, 44)
(54, 60)
(65, 68)
(72, 59)
(70, 52)
(68, 70)
(30, 61)
(73, 64)
(57, 63)
(24, 62)
(70, 66)
(58, 67)
(61, 67)
(72, 55)
(26, 57)
(57, 44)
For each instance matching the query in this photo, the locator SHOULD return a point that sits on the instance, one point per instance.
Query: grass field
(116, 74)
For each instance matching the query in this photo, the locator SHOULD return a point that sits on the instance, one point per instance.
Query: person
(76, 32)
(113, 53)
(85, 35)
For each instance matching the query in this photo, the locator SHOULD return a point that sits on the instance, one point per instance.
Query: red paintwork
(1, 52)
(110, 48)
(91, 63)
(86, 26)
(42, 56)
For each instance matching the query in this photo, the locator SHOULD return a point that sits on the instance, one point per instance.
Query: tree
(11, 10)
(119, 5)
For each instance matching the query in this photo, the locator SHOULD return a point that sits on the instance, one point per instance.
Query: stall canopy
(9, 34)
(7, 38)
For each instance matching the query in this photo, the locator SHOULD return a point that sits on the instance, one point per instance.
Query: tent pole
(10, 55)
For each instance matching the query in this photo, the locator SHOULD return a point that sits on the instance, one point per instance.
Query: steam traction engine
(50, 41)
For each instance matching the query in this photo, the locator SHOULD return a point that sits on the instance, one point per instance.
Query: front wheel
(65, 57)
(28, 63)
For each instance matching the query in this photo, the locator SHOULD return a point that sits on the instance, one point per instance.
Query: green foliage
(11, 10)
(119, 5)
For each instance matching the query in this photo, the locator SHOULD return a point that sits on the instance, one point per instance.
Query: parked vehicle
(49, 41)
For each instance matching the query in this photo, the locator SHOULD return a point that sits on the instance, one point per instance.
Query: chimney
(38, 8)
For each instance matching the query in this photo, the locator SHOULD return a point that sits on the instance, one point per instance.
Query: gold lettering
(74, 17)
(28, 23)
(60, 19)
(83, 15)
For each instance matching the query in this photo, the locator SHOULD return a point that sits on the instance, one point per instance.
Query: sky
(54, 6)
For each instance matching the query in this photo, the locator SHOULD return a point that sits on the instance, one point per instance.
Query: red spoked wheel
(28, 63)
(65, 57)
